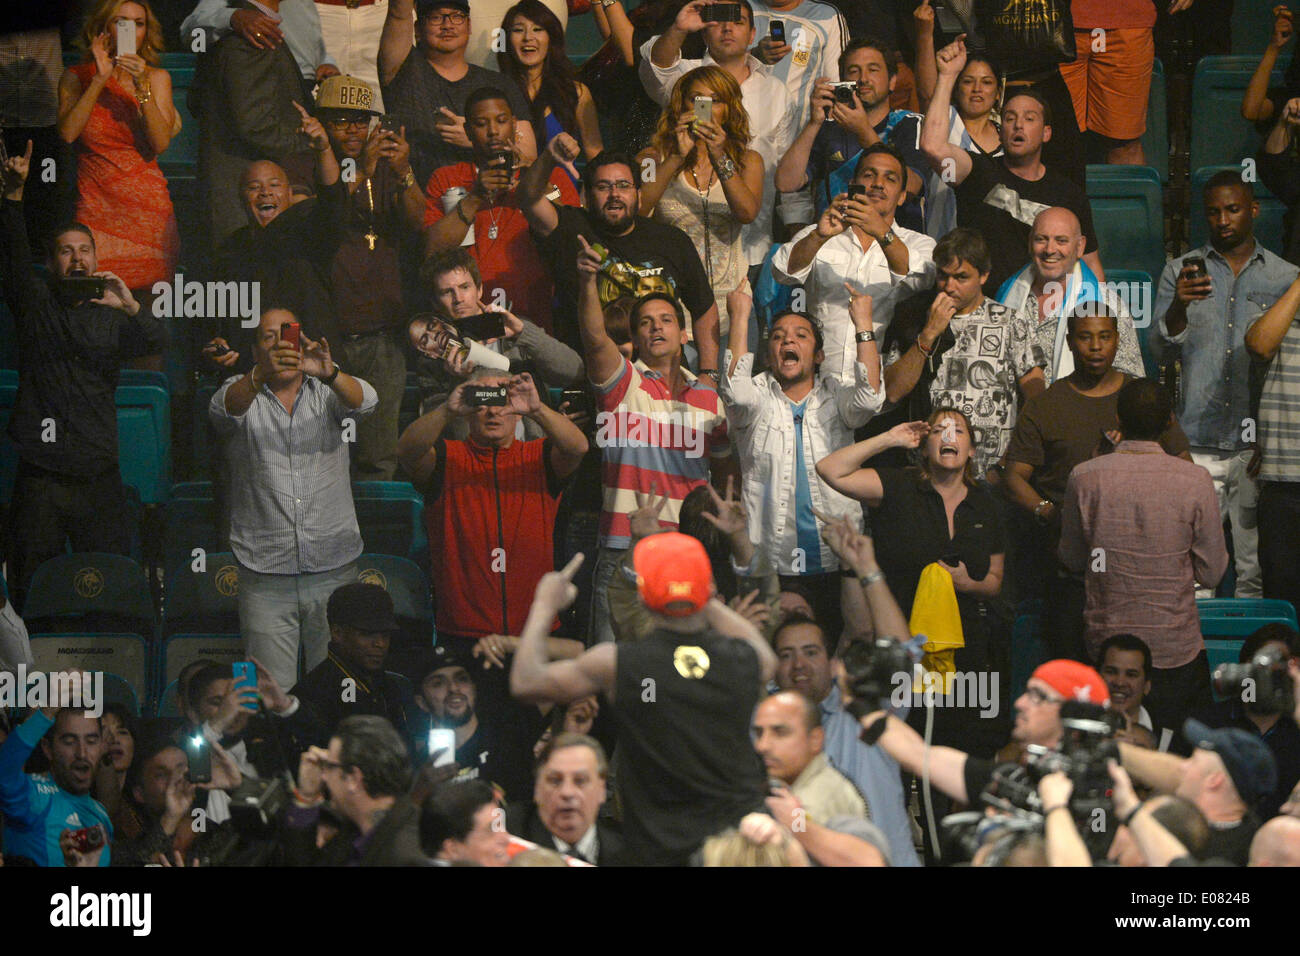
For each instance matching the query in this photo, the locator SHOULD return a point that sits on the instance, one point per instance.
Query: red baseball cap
(673, 572)
(1074, 681)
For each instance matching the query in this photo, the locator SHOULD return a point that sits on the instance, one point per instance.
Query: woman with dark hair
(116, 107)
(938, 513)
(707, 181)
(119, 730)
(536, 60)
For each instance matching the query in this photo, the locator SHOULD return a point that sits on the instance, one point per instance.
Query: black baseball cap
(1249, 762)
(442, 657)
(425, 6)
(362, 606)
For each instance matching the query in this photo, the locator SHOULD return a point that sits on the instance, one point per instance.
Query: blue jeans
(278, 611)
(607, 562)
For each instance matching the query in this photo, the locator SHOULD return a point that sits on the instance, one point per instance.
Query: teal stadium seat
(144, 440)
(182, 154)
(204, 600)
(1155, 141)
(1027, 651)
(144, 377)
(391, 517)
(1268, 227)
(1241, 617)
(1252, 25)
(404, 581)
(1219, 134)
(1128, 214)
(124, 656)
(169, 704)
(190, 523)
(90, 591)
(182, 649)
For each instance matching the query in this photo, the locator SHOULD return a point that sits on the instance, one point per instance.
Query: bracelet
(726, 168)
(1060, 806)
(923, 350)
(304, 801)
(461, 213)
(329, 379)
(252, 377)
(711, 372)
(1128, 817)
(409, 180)
(871, 578)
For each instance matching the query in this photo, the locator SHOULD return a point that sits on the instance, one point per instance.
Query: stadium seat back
(144, 440)
(1155, 141)
(90, 591)
(206, 599)
(1128, 215)
(123, 655)
(180, 650)
(1219, 133)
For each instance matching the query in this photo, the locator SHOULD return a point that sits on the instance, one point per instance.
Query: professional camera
(1262, 681)
(872, 668)
(256, 805)
(1087, 743)
(965, 834)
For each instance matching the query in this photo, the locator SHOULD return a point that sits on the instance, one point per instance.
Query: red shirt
(1113, 14)
(510, 261)
(492, 513)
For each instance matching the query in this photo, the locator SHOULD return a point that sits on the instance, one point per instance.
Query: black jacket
(69, 361)
(321, 701)
(523, 820)
(394, 842)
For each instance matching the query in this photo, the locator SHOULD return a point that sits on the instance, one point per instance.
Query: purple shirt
(1143, 528)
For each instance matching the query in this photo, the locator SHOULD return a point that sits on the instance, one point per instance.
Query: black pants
(1177, 693)
(1063, 619)
(1279, 540)
(48, 510)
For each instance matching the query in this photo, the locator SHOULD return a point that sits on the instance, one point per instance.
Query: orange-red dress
(122, 194)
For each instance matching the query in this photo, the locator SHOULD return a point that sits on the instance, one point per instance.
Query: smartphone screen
(442, 739)
(703, 109)
(487, 325)
(777, 31)
(199, 757)
(126, 38)
(245, 674)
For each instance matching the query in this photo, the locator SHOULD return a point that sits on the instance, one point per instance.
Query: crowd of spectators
(767, 373)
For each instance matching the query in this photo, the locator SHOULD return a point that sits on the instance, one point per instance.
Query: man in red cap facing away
(1038, 721)
(684, 696)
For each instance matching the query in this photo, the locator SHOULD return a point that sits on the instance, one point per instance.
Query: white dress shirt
(762, 428)
(842, 259)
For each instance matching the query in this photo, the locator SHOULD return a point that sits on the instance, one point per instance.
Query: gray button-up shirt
(299, 21)
(1215, 401)
(291, 506)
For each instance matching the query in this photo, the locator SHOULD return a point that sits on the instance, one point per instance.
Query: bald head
(265, 191)
(1277, 843)
(1056, 243)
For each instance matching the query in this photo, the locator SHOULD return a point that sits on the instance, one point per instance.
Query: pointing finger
(571, 568)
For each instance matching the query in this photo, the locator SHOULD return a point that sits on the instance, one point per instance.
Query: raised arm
(792, 170)
(842, 469)
(927, 74)
(76, 102)
(397, 39)
(602, 355)
(568, 443)
(534, 183)
(857, 552)
(905, 372)
(612, 22)
(947, 765)
(1160, 772)
(950, 161)
(1255, 104)
(417, 446)
(534, 679)
(728, 623)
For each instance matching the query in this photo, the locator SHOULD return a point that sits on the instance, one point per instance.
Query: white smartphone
(126, 37)
(444, 740)
(703, 109)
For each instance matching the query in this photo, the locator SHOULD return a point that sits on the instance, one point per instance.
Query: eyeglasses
(1038, 697)
(455, 18)
(349, 122)
(620, 185)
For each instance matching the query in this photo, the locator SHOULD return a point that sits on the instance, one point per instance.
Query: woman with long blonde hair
(705, 180)
(116, 107)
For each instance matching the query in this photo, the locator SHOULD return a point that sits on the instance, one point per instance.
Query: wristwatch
(329, 379)
(866, 335)
(408, 180)
(1038, 510)
(887, 238)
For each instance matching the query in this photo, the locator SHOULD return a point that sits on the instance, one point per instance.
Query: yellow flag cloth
(935, 614)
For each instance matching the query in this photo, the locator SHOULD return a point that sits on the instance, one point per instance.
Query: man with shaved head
(788, 735)
(1057, 282)
(1277, 843)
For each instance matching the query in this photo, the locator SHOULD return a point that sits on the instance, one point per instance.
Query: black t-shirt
(416, 96)
(686, 765)
(1231, 843)
(1002, 206)
(653, 257)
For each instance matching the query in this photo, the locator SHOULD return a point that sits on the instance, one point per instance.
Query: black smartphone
(485, 395)
(857, 190)
(1197, 265)
(487, 325)
(720, 13)
(947, 21)
(218, 351)
(579, 400)
(80, 288)
(776, 30)
(199, 756)
(501, 159)
(390, 124)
